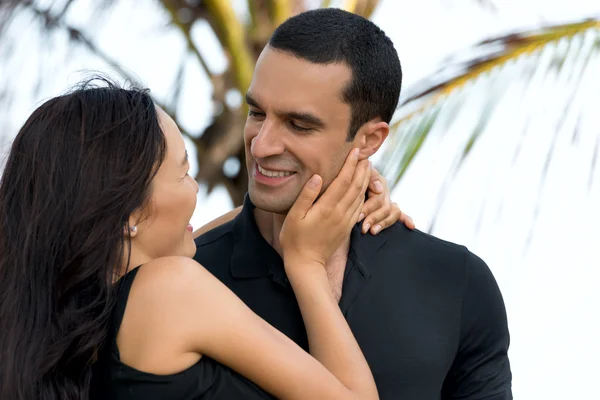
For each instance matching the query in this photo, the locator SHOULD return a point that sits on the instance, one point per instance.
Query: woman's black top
(206, 380)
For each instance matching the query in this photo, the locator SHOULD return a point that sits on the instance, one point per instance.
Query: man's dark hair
(330, 35)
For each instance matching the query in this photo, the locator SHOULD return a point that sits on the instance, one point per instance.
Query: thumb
(307, 197)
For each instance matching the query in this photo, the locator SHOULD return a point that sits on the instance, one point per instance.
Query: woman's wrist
(310, 282)
(301, 268)
(303, 257)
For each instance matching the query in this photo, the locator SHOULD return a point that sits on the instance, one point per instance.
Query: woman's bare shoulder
(171, 277)
(159, 323)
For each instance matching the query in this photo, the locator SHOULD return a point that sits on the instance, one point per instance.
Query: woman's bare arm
(177, 310)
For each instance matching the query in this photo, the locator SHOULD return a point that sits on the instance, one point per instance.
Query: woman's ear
(131, 228)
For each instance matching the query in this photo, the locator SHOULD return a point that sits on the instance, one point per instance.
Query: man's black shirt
(427, 314)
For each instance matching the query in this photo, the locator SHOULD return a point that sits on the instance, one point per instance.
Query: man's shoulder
(423, 250)
(214, 248)
(399, 238)
(216, 235)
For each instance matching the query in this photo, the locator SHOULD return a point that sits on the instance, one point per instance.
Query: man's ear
(370, 137)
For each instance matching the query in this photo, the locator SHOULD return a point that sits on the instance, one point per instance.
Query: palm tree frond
(525, 63)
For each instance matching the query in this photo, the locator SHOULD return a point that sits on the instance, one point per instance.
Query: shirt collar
(253, 256)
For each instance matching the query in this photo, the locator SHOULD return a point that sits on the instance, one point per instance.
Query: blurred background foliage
(427, 108)
(548, 74)
(496, 148)
(242, 42)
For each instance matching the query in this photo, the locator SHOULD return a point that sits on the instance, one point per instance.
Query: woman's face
(164, 228)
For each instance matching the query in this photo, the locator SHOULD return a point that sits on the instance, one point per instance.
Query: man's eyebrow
(251, 101)
(306, 118)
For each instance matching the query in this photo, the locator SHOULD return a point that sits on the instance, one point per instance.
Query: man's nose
(268, 141)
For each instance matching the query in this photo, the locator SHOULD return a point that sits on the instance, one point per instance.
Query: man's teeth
(273, 174)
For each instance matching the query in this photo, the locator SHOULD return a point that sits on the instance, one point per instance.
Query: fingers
(345, 194)
(379, 194)
(377, 182)
(406, 219)
(374, 202)
(307, 197)
(358, 203)
(358, 186)
(348, 184)
(385, 217)
(382, 217)
(379, 211)
(351, 204)
(353, 201)
(378, 207)
(343, 180)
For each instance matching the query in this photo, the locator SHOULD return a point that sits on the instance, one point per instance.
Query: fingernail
(314, 181)
(376, 229)
(361, 216)
(378, 186)
(366, 228)
(355, 153)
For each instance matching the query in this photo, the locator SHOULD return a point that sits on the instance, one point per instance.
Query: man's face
(297, 126)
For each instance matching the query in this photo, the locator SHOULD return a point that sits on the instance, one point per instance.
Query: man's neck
(269, 224)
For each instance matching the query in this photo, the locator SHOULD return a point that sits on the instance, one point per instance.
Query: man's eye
(254, 113)
(299, 128)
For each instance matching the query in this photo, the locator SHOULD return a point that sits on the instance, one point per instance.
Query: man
(427, 313)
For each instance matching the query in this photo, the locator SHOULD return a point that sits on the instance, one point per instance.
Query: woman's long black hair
(77, 169)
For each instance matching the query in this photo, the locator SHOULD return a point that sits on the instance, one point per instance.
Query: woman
(99, 295)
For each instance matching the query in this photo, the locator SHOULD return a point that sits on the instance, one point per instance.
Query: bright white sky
(551, 287)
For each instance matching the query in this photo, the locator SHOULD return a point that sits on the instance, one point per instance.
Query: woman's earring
(132, 231)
